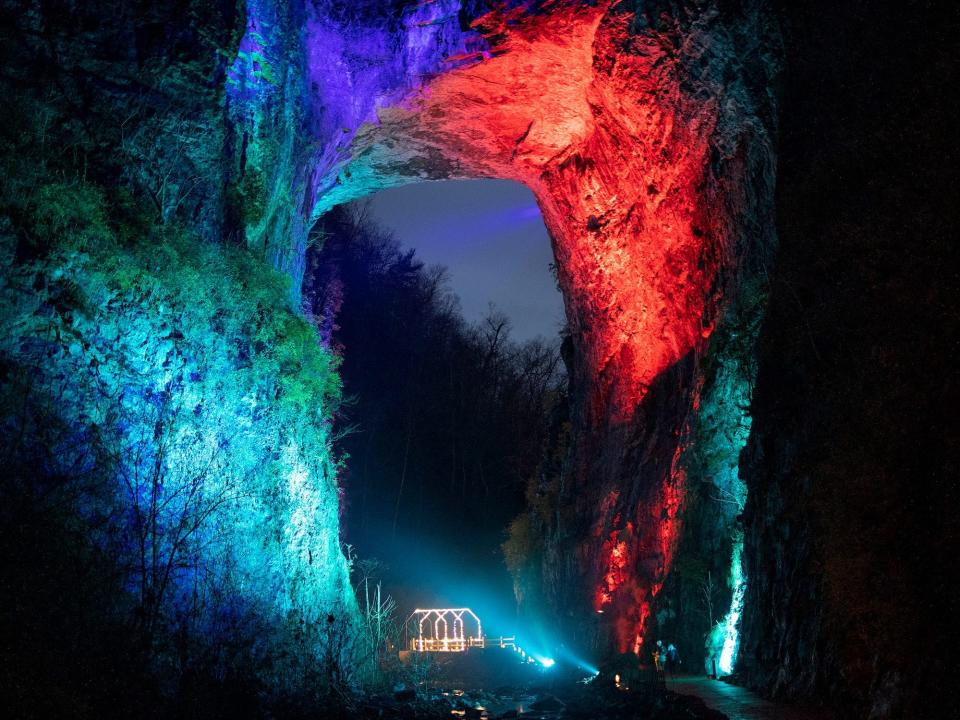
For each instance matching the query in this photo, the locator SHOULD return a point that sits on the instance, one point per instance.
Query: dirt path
(738, 703)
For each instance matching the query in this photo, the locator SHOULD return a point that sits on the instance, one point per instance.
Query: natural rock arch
(645, 134)
(617, 158)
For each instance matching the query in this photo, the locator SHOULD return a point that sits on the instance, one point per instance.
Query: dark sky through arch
(490, 235)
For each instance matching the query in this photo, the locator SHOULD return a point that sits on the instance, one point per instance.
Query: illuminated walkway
(736, 702)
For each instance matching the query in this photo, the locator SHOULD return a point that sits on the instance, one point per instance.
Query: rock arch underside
(644, 130)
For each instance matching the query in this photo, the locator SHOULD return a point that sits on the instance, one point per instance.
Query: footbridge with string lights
(449, 630)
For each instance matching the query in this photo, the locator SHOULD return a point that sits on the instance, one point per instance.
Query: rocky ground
(567, 700)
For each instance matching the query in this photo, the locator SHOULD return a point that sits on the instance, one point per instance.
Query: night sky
(490, 235)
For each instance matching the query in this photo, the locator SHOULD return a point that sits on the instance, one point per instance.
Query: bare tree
(708, 590)
(379, 617)
(167, 171)
(174, 482)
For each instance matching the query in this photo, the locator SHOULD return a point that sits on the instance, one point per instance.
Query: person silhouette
(659, 658)
(673, 659)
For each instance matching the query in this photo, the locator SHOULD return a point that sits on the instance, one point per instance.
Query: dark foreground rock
(568, 702)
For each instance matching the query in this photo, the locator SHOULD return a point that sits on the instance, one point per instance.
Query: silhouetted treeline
(444, 420)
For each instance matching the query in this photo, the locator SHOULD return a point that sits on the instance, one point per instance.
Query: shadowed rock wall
(850, 524)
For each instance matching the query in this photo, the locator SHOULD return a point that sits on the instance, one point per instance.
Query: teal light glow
(731, 624)
(200, 404)
(723, 430)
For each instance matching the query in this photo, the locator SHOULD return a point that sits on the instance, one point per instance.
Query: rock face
(169, 481)
(150, 73)
(850, 524)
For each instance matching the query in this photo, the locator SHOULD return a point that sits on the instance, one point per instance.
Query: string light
(436, 641)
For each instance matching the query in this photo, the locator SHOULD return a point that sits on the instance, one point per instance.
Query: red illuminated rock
(649, 158)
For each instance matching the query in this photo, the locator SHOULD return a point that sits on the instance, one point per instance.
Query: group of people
(666, 658)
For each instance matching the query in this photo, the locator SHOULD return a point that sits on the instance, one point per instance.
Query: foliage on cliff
(536, 533)
(169, 497)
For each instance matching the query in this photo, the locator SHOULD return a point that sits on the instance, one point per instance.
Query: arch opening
(490, 237)
(451, 398)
